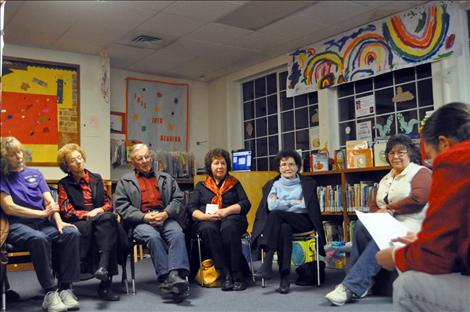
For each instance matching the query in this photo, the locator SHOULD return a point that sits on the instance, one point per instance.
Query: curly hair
(8, 144)
(65, 151)
(217, 153)
(286, 154)
(402, 139)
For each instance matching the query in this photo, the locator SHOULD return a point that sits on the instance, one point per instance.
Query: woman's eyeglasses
(399, 154)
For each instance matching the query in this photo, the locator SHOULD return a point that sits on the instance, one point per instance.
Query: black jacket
(309, 190)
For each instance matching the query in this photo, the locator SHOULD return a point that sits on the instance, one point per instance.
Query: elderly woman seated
(222, 228)
(84, 202)
(289, 205)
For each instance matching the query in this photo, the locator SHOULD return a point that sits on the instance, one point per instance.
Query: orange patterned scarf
(227, 185)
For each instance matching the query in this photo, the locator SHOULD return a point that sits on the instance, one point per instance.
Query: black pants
(98, 235)
(277, 234)
(223, 240)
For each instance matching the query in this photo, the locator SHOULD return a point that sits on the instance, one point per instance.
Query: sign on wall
(40, 106)
(420, 35)
(157, 114)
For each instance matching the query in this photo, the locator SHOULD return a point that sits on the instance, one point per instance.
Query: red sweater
(443, 245)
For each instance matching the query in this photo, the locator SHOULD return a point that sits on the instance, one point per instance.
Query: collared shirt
(151, 198)
(84, 183)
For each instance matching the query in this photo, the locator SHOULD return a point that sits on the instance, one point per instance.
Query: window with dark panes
(272, 121)
(378, 107)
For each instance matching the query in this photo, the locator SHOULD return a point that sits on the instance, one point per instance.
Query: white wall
(450, 83)
(94, 112)
(198, 111)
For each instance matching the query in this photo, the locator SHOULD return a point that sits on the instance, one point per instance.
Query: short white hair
(135, 148)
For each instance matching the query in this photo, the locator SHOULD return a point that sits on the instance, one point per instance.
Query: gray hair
(8, 144)
(135, 148)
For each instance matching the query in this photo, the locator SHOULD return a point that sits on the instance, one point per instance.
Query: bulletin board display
(157, 113)
(40, 106)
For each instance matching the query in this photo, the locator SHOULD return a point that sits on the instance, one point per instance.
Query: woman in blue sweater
(289, 205)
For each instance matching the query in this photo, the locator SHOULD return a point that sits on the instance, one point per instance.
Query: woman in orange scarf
(219, 206)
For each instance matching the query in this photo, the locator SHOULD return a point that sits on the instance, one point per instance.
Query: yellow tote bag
(208, 274)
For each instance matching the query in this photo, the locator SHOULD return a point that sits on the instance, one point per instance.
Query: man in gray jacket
(152, 203)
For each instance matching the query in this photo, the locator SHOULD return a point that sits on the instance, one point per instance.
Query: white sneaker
(340, 295)
(69, 299)
(53, 303)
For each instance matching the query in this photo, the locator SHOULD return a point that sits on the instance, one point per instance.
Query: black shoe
(228, 283)
(12, 296)
(106, 293)
(175, 284)
(101, 274)
(239, 285)
(284, 286)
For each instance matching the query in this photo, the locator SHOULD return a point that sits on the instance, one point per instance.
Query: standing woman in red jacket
(436, 262)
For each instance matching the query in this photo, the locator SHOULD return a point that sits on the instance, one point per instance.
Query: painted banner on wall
(40, 106)
(420, 35)
(157, 114)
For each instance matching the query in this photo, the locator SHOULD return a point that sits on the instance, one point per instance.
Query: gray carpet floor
(254, 298)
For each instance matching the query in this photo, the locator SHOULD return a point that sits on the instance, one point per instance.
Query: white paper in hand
(383, 228)
(211, 208)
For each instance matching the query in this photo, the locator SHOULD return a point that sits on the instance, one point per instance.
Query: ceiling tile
(219, 33)
(33, 20)
(122, 56)
(163, 60)
(203, 11)
(148, 6)
(257, 14)
(326, 13)
(11, 8)
(170, 24)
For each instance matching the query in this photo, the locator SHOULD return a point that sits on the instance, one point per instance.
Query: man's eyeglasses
(143, 158)
(400, 154)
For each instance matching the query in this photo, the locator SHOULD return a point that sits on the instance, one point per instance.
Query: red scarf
(227, 185)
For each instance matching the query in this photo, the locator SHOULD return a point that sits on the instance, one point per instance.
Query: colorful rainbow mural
(417, 36)
(415, 46)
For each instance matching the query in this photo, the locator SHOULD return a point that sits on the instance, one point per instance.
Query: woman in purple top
(35, 225)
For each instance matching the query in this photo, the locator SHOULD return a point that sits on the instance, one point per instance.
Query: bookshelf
(342, 178)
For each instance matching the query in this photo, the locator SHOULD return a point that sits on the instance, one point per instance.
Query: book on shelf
(333, 231)
(359, 195)
(330, 198)
(318, 161)
(358, 154)
(380, 159)
(360, 158)
(339, 161)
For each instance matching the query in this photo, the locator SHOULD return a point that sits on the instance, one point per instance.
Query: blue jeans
(166, 244)
(39, 238)
(363, 266)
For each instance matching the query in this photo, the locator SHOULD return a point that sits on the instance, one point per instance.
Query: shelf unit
(344, 177)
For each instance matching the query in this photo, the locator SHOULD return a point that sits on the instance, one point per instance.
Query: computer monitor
(241, 161)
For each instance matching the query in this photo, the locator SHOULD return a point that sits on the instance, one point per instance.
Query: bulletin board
(40, 106)
(157, 113)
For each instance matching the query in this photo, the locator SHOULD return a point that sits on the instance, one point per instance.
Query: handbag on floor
(207, 275)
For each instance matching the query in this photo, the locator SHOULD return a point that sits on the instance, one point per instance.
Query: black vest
(75, 194)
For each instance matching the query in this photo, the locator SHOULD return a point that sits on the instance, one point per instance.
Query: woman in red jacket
(436, 262)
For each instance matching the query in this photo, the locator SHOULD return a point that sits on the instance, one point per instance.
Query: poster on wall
(420, 35)
(364, 131)
(365, 105)
(157, 114)
(40, 106)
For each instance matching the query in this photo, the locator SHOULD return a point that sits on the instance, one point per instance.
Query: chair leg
(4, 296)
(133, 269)
(200, 255)
(248, 238)
(263, 281)
(317, 256)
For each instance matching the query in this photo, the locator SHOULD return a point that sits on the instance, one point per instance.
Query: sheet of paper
(211, 208)
(382, 227)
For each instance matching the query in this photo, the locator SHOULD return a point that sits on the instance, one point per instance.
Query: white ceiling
(201, 40)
